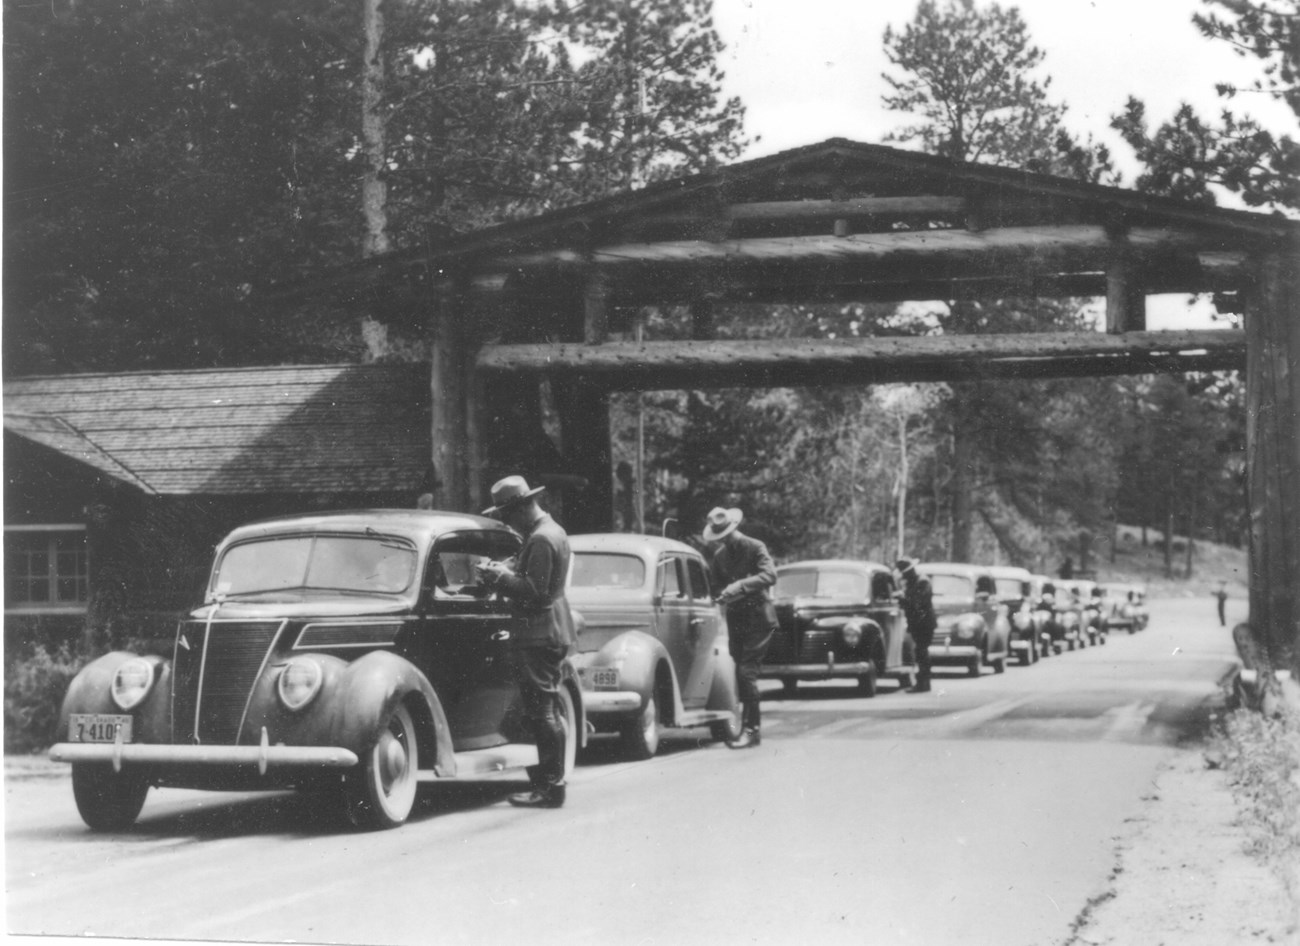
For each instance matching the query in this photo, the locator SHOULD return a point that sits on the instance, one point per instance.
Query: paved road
(983, 812)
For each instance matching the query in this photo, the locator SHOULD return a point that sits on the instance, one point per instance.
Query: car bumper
(1019, 645)
(818, 671)
(953, 653)
(610, 702)
(262, 756)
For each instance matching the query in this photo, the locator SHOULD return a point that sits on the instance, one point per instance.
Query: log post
(1125, 297)
(450, 402)
(1273, 452)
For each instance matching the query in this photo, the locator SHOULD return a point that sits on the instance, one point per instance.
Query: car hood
(290, 605)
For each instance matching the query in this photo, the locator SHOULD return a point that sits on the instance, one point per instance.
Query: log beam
(660, 365)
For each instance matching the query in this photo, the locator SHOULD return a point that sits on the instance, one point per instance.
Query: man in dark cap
(542, 634)
(918, 608)
(742, 571)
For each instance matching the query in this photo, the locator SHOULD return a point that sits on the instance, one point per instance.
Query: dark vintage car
(1056, 615)
(652, 643)
(1072, 612)
(351, 653)
(1091, 597)
(1014, 588)
(973, 629)
(838, 618)
(1120, 607)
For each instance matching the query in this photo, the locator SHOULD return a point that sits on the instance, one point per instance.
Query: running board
(487, 764)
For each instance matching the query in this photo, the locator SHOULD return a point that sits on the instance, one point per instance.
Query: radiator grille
(214, 675)
(816, 644)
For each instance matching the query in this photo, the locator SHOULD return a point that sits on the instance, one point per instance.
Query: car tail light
(131, 682)
(299, 682)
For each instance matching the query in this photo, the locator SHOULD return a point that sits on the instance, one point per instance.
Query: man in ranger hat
(742, 567)
(542, 634)
(918, 607)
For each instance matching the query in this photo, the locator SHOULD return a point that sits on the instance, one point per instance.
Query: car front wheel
(641, 732)
(107, 800)
(381, 791)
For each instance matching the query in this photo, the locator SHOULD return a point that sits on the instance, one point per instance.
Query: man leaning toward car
(918, 606)
(743, 568)
(542, 633)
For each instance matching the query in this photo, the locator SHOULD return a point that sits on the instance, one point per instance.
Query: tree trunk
(374, 192)
(961, 484)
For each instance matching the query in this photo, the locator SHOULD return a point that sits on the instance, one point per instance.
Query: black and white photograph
(651, 472)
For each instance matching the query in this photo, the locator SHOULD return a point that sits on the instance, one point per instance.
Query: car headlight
(299, 682)
(131, 682)
(967, 628)
(851, 634)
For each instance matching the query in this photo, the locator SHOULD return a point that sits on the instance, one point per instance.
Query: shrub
(1262, 760)
(34, 689)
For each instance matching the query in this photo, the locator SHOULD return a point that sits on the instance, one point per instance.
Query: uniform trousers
(537, 672)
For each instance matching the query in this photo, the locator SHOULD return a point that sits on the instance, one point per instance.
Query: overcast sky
(808, 70)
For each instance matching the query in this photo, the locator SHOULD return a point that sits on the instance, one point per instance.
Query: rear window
(607, 570)
(823, 583)
(1011, 588)
(951, 586)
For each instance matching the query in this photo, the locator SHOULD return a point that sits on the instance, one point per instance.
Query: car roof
(1009, 571)
(952, 568)
(418, 525)
(628, 543)
(843, 563)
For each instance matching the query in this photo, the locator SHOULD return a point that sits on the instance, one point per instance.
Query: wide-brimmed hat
(509, 491)
(721, 523)
(905, 565)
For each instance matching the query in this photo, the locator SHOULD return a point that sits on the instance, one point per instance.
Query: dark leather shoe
(748, 739)
(550, 797)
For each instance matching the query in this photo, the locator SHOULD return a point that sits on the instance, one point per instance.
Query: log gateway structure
(540, 300)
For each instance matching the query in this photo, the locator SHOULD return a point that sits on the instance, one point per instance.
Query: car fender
(354, 702)
(91, 692)
(637, 654)
(973, 622)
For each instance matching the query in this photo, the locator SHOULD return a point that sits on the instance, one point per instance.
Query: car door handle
(501, 636)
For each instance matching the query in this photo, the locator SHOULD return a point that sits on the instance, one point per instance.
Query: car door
(886, 612)
(463, 643)
(702, 632)
(673, 613)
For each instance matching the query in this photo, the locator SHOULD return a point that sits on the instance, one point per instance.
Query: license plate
(98, 727)
(604, 679)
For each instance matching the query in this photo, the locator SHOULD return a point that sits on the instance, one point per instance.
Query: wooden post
(1273, 452)
(1125, 298)
(449, 364)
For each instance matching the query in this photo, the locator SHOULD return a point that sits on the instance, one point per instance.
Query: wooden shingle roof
(295, 429)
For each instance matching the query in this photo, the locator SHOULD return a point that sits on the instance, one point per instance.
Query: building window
(47, 568)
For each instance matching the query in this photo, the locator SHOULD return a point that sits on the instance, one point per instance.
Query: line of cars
(358, 655)
(840, 618)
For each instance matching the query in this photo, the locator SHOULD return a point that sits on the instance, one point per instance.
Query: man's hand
(492, 572)
(730, 593)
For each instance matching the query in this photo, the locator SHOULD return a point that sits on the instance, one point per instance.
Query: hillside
(1211, 564)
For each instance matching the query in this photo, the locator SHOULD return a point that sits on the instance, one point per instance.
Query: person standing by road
(918, 607)
(743, 569)
(1222, 595)
(542, 632)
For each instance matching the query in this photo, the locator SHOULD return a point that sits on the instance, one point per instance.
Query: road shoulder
(1183, 874)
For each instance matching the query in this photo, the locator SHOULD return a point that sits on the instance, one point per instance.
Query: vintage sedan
(1072, 612)
(973, 629)
(353, 653)
(1121, 607)
(838, 618)
(1091, 598)
(1014, 588)
(652, 643)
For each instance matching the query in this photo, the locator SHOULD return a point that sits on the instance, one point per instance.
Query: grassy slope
(1211, 564)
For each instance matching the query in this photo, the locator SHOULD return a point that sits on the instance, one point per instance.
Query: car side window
(699, 579)
(984, 585)
(670, 578)
(453, 566)
(882, 586)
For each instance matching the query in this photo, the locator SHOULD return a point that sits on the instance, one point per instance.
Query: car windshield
(951, 586)
(1010, 587)
(822, 583)
(349, 563)
(606, 570)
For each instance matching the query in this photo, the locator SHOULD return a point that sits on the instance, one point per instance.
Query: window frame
(82, 576)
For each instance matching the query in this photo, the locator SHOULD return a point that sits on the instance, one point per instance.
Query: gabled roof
(316, 429)
(702, 206)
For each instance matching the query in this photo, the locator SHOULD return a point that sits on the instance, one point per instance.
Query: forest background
(168, 164)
